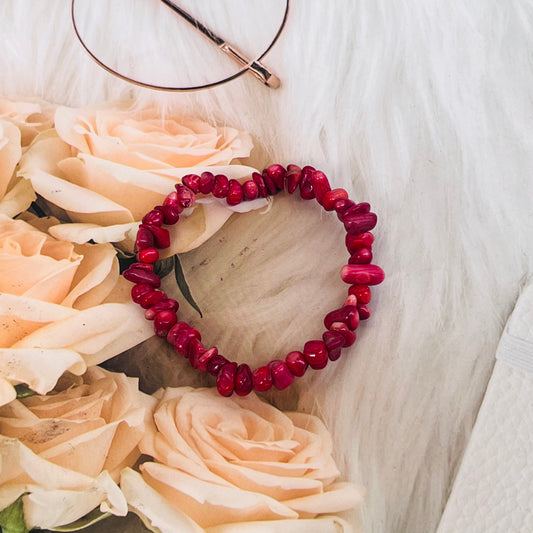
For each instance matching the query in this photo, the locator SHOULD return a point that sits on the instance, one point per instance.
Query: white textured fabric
(493, 491)
(422, 108)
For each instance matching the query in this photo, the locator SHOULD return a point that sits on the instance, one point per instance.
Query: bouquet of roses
(79, 443)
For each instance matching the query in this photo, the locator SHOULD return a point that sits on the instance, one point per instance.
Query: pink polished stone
(195, 350)
(364, 312)
(226, 379)
(161, 235)
(250, 190)
(203, 359)
(330, 197)
(221, 186)
(235, 193)
(361, 292)
(171, 213)
(149, 299)
(186, 197)
(175, 329)
(277, 174)
(316, 354)
(136, 275)
(362, 274)
(359, 222)
(270, 184)
(320, 185)
(142, 266)
(216, 363)
(261, 187)
(148, 255)
(144, 239)
(306, 183)
(154, 217)
(192, 181)
(262, 378)
(243, 380)
(139, 290)
(361, 256)
(207, 182)
(345, 331)
(347, 314)
(362, 240)
(282, 377)
(296, 363)
(164, 305)
(293, 178)
(334, 342)
(163, 321)
(355, 209)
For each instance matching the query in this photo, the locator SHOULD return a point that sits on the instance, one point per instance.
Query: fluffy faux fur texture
(422, 108)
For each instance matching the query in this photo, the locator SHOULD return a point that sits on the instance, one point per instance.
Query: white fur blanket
(423, 109)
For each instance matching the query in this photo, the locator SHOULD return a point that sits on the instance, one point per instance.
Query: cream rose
(62, 307)
(30, 116)
(229, 464)
(105, 167)
(64, 451)
(16, 195)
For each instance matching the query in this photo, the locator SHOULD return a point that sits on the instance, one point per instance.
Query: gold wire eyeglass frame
(254, 67)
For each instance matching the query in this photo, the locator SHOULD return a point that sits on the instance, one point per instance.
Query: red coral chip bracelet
(340, 324)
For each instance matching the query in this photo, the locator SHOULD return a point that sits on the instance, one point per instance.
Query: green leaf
(23, 391)
(163, 267)
(182, 284)
(85, 521)
(12, 518)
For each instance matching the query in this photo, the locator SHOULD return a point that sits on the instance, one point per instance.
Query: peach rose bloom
(104, 167)
(30, 116)
(230, 464)
(16, 194)
(62, 307)
(64, 451)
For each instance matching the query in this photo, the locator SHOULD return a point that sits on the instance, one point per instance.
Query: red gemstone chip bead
(221, 186)
(362, 274)
(282, 377)
(362, 293)
(148, 255)
(316, 354)
(296, 363)
(235, 193)
(330, 197)
(262, 379)
(226, 379)
(243, 380)
(334, 342)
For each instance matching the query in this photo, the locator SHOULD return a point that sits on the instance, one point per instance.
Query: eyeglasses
(137, 40)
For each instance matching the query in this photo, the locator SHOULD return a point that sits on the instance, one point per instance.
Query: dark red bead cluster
(340, 324)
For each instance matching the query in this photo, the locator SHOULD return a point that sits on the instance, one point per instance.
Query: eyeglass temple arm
(254, 67)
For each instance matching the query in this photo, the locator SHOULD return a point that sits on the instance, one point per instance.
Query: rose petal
(97, 333)
(52, 508)
(38, 368)
(324, 524)
(154, 510)
(336, 498)
(82, 233)
(10, 152)
(207, 503)
(278, 487)
(95, 278)
(17, 199)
